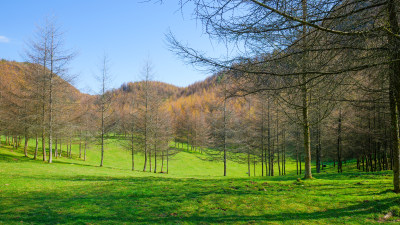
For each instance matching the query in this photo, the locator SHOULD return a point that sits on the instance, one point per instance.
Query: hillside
(15, 76)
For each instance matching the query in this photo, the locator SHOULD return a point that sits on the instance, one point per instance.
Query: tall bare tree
(104, 101)
(48, 48)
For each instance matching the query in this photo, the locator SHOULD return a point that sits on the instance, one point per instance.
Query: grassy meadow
(73, 191)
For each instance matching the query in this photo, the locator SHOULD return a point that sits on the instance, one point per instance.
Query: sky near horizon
(131, 32)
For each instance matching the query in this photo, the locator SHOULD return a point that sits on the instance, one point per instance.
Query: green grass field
(73, 191)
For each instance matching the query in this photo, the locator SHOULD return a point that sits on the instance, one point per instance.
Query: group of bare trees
(37, 101)
(298, 45)
(143, 121)
(324, 71)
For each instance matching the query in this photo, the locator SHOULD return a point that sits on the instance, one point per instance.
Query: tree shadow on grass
(13, 158)
(143, 200)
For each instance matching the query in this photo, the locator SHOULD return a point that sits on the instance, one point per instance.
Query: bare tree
(104, 101)
(48, 49)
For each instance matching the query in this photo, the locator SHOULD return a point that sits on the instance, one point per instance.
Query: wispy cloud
(4, 39)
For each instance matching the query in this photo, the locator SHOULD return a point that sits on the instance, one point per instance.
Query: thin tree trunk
(162, 161)
(272, 158)
(80, 148)
(277, 141)
(167, 159)
(305, 91)
(155, 157)
(225, 131)
(297, 154)
(254, 165)
(132, 152)
(70, 148)
(262, 139)
(300, 163)
(284, 153)
(318, 146)
(394, 91)
(84, 153)
(43, 146)
(339, 142)
(26, 146)
(36, 147)
(248, 162)
(145, 130)
(149, 159)
(102, 133)
(270, 173)
(56, 148)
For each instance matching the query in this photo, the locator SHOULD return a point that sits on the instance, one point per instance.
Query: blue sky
(130, 31)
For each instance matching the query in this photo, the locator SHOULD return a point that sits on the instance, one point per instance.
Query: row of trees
(308, 51)
(323, 72)
(258, 129)
(37, 101)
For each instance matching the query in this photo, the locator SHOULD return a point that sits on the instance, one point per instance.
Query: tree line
(314, 80)
(318, 58)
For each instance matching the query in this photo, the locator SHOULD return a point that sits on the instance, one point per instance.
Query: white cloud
(4, 39)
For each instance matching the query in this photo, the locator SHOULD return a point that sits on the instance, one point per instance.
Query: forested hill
(164, 90)
(19, 75)
(200, 86)
(21, 80)
(170, 91)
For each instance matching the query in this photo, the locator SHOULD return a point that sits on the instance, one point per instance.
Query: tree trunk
(70, 148)
(149, 160)
(297, 154)
(262, 139)
(84, 153)
(277, 141)
(43, 146)
(254, 165)
(248, 162)
(339, 142)
(318, 146)
(225, 131)
(155, 157)
(26, 146)
(394, 91)
(162, 161)
(132, 152)
(272, 158)
(51, 112)
(270, 173)
(385, 159)
(284, 153)
(36, 147)
(80, 148)
(300, 162)
(56, 148)
(145, 131)
(102, 133)
(305, 90)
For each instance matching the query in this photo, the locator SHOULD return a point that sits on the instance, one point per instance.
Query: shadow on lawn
(13, 158)
(147, 199)
(97, 199)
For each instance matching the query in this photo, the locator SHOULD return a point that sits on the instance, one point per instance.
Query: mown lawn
(76, 192)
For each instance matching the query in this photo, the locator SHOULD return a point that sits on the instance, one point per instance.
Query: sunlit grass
(78, 192)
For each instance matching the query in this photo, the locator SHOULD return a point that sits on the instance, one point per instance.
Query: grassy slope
(73, 191)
